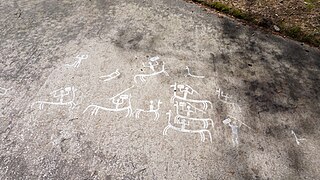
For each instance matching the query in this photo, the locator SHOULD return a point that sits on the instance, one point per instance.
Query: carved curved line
(88, 108)
(135, 78)
(138, 114)
(41, 106)
(212, 124)
(203, 138)
(157, 116)
(129, 114)
(165, 130)
(205, 124)
(210, 137)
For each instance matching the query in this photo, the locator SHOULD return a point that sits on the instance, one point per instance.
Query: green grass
(294, 32)
(225, 9)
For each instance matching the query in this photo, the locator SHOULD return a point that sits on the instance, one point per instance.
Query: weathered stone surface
(274, 81)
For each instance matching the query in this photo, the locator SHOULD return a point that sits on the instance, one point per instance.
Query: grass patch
(310, 4)
(225, 9)
(294, 32)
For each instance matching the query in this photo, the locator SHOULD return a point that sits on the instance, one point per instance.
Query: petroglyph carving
(111, 76)
(151, 110)
(225, 98)
(189, 118)
(235, 126)
(187, 109)
(3, 91)
(191, 75)
(78, 61)
(185, 127)
(153, 62)
(296, 138)
(121, 101)
(186, 90)
(234, 129)
(60, 95)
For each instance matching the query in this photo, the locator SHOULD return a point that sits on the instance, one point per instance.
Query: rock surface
(87, 86)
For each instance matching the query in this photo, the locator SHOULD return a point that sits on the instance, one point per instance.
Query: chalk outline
(204, 120)
(143, 76)
(155, 111)
(201, 131)
(191, 75)
(128, 108)
(71, 103)
(77, 63)
(235, 135)
(111, 75)
(235, 106)
(204, 102)
(296, 138)
(5, 91)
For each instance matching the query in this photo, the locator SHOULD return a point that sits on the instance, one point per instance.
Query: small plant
(294, 32)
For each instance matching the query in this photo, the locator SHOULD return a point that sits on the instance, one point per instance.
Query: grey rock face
(154, 89)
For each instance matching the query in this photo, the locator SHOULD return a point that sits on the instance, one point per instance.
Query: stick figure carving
(225, 98)
(153, 62)
(205, 121)
(235, 125)
(110, 76)
(191, 75)
(60, 96)
(77, 63)
(185, 127)
(121, 101)
(187, 90)
(151, 110)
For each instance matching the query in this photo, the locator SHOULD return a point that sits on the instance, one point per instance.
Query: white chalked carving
(225, 98)
(151, 110)
(188, 110)
(186, 106)
(153, 59)
(153, 62)
(3, 91)
(184, 127)
(60, 95)
(191, 75)
(188, 117)
(296, 138)
(205, 121)
(234, 129)
(121, 101)
(77, 63)
(187, 90)
(142, 77)
(111, 76)
(233, 123)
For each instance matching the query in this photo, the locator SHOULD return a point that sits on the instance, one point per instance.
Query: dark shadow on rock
(279, 77)
(291, 79)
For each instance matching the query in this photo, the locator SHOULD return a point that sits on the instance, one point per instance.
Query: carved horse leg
(165, 131)
(138, 114)
(202, 137)
(210, 120)
(41, 106)
(210, 137)
(156, 115)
